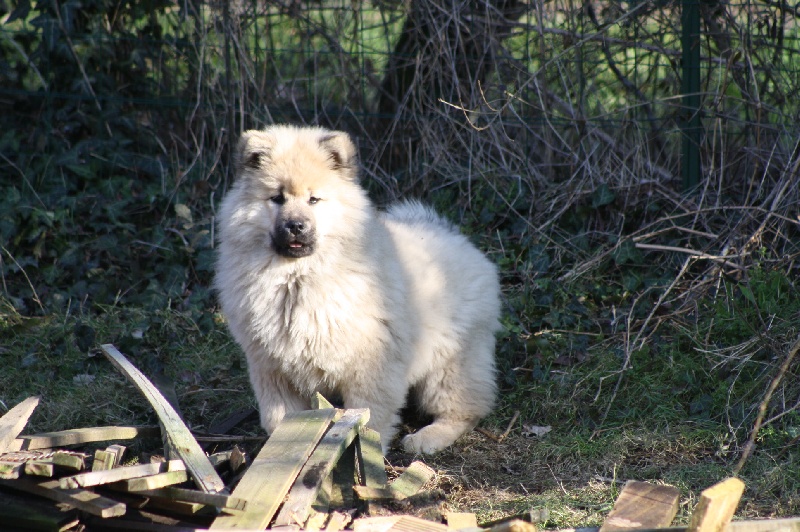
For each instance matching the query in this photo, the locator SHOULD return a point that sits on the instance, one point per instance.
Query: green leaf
(627, 252)
(602, 196)
(748, 294)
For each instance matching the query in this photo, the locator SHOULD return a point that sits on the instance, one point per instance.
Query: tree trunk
(445, 53)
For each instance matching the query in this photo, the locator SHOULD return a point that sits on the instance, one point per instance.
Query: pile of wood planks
(321, 469)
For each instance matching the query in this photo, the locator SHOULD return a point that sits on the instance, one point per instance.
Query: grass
(672, 419)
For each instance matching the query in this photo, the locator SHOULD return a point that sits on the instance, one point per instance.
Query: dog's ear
(342, 153)
(253, 150)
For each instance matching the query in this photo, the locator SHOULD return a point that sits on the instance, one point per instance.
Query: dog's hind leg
(457, 394)
(385, 396)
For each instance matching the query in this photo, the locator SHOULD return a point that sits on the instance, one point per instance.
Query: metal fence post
(691, 126)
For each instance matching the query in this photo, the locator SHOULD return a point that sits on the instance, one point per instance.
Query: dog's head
(300, 179)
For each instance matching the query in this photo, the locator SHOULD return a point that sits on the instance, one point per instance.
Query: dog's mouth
(292, 247)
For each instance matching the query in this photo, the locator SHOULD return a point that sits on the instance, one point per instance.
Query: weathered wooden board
(23, 512)
(516, 525)
(318, 401)
(103, 460)
(458, 520)
(716, 507)
(338, 521)
(65, 438)
(13, 421)
(398, 523)
(274, 469)
(66, 461)
(152, 482)
(370, 456)
(9, 470)
(302, 494)
(180, 439)
(228, 502)
(643, 505)
(411, 481)
(766, 525)
(97, 478)
(40, 468)
(81, 499)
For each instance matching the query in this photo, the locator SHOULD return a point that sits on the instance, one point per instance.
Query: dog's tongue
(295, 245)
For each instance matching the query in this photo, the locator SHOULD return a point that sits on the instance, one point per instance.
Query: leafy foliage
(106, 206)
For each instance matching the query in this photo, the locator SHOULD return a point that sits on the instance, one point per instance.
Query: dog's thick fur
(326, 294)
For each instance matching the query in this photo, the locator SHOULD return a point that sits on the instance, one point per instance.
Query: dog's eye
(279, 199)
(313, 200)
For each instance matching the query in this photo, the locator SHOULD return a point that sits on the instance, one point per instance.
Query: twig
(762, 408)
(509, 427)
(698, 254)
(504, 435)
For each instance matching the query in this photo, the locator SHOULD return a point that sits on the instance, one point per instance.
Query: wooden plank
(339, 491)
(227, 502)
(13, 421)
(97, 478)
(412, 480)
(370, 458)
(297, 507)
(398, 523)
(81, 499)
(118, 451)
(338, 521)
(237, 459)
(515, 525)
(314, 522)
(10, 470)
(274, 469)
(461, 520)
(406, 485)
(66, 462)
(65, 438)
(371, 466)
(716, 507)
(370, 494)
(103, 460)
(40, 468)
(23, 512)
(181, 440)
(643, 505)
(767, 525)
(318, 401)
(152, 482)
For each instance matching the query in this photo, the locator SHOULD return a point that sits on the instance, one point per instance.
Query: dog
(324, 293)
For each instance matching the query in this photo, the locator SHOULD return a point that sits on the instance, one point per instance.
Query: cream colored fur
(386, 303)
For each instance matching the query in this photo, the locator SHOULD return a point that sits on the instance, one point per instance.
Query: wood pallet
(321, 469)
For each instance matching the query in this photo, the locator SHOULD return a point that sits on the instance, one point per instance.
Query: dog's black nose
(295, 227)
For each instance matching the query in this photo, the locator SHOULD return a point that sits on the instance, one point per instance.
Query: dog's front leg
(276, 397)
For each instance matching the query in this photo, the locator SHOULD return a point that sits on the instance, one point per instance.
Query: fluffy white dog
(325, 294)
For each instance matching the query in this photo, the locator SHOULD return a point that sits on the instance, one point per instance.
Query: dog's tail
(415, 213)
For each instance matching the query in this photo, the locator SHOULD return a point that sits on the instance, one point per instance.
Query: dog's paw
(432, 439)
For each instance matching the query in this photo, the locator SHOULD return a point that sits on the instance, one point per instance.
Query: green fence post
(691, 127)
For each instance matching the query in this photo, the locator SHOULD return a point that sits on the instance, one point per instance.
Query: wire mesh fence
(544, 107)
(540, 89)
